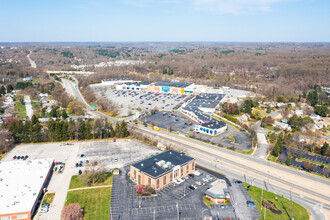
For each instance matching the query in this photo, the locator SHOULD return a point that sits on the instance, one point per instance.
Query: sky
(165, 20)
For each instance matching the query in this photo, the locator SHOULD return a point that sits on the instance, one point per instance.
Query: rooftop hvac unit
(168, 163)
(160, 163)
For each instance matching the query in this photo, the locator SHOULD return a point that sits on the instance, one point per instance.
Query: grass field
(48, 198)
(21, 110)
(95, 202)
(282, 204)
(271, 158)
(77, 181)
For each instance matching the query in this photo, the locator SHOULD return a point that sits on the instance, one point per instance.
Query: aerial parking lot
(177, 122)
(172, 200)
(112, 154)
(129, 101)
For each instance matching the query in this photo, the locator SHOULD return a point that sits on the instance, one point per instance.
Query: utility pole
(291, 202)
(262, 195)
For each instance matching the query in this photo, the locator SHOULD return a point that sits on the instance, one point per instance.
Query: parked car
(192, 187)
(238, 181)
(79, 172)
(250, 204)
(77, 165)
(222, 206)
(14, 157)
(82, 155)
(198, 183)
(191, 175)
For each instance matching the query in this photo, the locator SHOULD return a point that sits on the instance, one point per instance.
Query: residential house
(282, 126)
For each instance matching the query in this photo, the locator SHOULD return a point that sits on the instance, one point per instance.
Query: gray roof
(138, 83)
(218, 189)
(116, 79)
(173, 84)
(150, 166)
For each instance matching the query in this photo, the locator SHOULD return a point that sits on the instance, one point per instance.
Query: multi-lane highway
(308, 190)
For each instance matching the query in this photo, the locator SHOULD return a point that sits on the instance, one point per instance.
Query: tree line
(32, 131)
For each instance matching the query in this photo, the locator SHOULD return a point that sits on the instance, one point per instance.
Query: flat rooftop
(218, 189)
(116, 79)
(156, 166)
(173, 84)
(20, 184)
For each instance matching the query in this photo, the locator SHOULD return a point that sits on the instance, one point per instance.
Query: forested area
(32, 131)
(268, 68)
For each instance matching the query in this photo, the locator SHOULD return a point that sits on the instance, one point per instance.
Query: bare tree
(6, 140)
(95, 170)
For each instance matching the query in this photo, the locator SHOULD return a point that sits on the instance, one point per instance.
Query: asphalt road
(32, 63)
(28, 106)
(263, 145)
(308, 190)
(73, 91)
(276, 176)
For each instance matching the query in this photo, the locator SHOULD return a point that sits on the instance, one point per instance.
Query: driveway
(28, 106)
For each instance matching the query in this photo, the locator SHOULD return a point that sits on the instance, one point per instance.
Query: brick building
(162, 169)
(21, 185)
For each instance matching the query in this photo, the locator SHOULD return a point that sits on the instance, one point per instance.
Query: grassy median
(78, 181)
(283, 204)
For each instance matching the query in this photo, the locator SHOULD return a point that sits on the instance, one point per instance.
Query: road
(28, 106)
(73, 91)
(263, 146)
(32, 63)
(308, 190)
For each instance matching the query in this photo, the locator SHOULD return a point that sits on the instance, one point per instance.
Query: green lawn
(48, 198)
(77, 181)
(35, 104)
(95, 202)
(246, 152)
(271, 158)
(282, 204)
(21, 110)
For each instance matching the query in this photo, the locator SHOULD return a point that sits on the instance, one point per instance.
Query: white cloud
(235, 6)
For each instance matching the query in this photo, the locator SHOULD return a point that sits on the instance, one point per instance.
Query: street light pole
(177, 209)
(203, 212)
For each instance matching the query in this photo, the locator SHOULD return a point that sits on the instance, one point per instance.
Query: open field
(95, 202)
(283, 204)
(21, 110)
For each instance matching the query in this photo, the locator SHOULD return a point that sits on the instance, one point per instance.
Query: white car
(198, 183)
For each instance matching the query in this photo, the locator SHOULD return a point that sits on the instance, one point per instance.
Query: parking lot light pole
(184, 189)
(203, 212)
